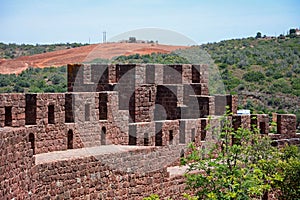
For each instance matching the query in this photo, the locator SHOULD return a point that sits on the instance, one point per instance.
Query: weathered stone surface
(155, 109)
(260, 122)
(286, 124)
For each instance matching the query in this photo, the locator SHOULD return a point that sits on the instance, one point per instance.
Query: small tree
(258, 35)
(288, 171)
(292, 32)
(244, 167)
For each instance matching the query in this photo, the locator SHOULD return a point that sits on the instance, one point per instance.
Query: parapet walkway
(130, 159)
(84, 152)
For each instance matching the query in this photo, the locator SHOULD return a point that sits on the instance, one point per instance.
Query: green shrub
(152, 197)
(253, 76)
(281, 85)
(295, 83)
(242, 165)
(288, 169)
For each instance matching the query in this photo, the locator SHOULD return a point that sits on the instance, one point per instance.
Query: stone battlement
(153, 111)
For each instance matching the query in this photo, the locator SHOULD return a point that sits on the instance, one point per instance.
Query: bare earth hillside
(81, 54)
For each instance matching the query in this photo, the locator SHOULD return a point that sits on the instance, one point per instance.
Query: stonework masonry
(116, 134)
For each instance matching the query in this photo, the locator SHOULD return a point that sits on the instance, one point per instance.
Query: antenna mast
(104, 37)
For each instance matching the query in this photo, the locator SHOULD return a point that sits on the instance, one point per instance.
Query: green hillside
(11, 51)
(264, 72)
(259, 65)
(35, 80)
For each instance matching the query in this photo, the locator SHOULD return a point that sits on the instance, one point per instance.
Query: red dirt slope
(81, 54)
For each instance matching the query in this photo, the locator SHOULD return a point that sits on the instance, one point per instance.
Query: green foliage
(57, 79)
(160, 58)
(295, 82)
(273, 127)
(264, 68)
(4, 80)
(35, 80)
(152, 197)
(258, 35)
(292, 33)
(229, 80)
(189, 197)
(253, 76)
(242, 165)
(288, 169)
(12, 50)
(281, 85)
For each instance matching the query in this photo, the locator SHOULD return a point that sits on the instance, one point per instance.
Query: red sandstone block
(20, 116)
(286, 124)
(15, 97)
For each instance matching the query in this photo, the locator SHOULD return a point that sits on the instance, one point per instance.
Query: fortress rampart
(117, 133)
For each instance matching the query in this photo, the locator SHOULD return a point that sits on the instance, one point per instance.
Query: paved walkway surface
(84, 152)
(177, 170)
(96, 151)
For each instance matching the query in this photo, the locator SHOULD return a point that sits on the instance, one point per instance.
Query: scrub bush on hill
(35, 80)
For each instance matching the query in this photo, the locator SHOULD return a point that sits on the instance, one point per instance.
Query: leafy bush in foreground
(245, 169)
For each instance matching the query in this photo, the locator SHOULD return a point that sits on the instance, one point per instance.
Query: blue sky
(55, 21)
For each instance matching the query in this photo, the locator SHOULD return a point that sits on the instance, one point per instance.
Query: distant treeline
(12, 50)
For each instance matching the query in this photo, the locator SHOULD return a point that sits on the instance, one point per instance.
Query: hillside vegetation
(260, 65)
(35, 80)
(11, 51)
(264, 72)
(171, 58)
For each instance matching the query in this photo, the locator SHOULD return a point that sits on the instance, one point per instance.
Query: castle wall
(91, 178)
(80, 178)
(80, 77)
(241, 121)
(48, 136)
(166, 132)
(16, 164)
(83, 109)
(189, 130)
(142, 134)
(166, 96)
(16, 103)
(155, 109)
(204, 104)
(223, 101)
(200, 75)
(98, 177)
(144, 101)
(260, 122)
(286, 124)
